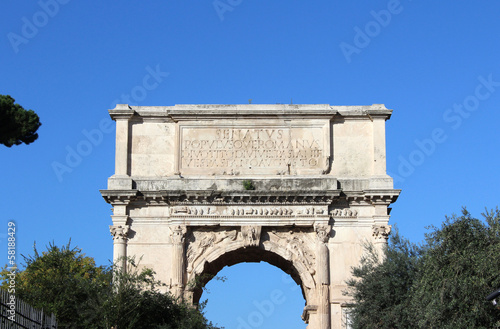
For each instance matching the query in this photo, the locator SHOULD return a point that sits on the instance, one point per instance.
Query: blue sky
(434, 63)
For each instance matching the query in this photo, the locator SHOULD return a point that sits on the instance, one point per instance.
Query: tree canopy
(17, 125)
(82, 295)
(441, 284)
(381, 289)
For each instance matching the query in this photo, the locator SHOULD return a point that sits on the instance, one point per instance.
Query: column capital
(119, 232)
(322, 232)
(381, 232)
(178, 233)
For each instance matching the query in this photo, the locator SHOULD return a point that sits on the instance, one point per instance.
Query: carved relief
(204, 241)
(311, 211)
(297, 247)
(381, 231)
(322, 232)
(346, 212)
(120, 232)
(194, 211)
(267, 211)
(252, 211)
(241, 211)
(251, 235)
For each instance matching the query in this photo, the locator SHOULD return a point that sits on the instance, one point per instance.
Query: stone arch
(189, 213)
(217, 257)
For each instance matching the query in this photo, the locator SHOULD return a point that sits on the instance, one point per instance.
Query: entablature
(251, 197)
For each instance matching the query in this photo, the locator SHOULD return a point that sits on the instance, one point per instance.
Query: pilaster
(120, 237)
(178, 245)
(323, 274)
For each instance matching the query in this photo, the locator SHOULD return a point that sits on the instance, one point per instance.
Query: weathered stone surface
(199, 187)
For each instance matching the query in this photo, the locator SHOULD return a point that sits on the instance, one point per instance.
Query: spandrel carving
(296, 245)
(203, 240)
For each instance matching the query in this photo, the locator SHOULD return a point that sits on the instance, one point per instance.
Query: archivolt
(216, 257)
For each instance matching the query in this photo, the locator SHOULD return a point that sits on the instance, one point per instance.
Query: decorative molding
(119, 197)
(250, 211)
(373, 197)
(228, 197)
(250, 198)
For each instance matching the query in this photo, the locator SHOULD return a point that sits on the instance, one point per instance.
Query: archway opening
(254, 295)
(243, 255)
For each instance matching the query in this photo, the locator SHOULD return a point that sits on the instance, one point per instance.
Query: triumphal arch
(302, 187)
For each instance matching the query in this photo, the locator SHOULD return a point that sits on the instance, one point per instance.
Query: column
(119, 233)
(323, 275)
(178, 241)
(380, 235)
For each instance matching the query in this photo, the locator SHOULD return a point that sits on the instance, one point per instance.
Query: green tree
(58, 281)
(460, 267)
(442, 284)
(380, 288)
(136, 302)
(82, 295)
(17, 125)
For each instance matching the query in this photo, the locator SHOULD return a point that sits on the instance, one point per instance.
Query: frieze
(346, 213)
(257, 211)
(194, 211)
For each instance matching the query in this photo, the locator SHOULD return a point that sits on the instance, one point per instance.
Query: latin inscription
(235, 148)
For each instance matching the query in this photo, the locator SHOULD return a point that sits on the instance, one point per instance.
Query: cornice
(198, 112)
(121, 111)
(204, 197)
(372, 196)
(116, 197)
